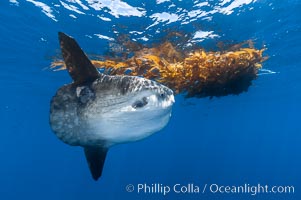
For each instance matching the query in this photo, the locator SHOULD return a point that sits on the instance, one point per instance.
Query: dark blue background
(250, 138)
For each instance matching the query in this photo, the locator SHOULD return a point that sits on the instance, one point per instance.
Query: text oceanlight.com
(192, 188)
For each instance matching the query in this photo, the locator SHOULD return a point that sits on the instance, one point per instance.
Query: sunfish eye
(140, 103)
(161, 95)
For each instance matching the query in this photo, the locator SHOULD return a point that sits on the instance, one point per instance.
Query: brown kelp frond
(198, 74)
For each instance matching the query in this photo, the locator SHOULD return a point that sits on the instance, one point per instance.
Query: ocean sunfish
(97, 111)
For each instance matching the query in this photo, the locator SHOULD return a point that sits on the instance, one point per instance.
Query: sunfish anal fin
(77, 63)
(96, 158)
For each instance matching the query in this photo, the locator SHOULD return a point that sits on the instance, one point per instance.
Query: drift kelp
(199, 73)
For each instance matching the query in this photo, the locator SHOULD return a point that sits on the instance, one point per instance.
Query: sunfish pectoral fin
(77, 63)
(96, 158)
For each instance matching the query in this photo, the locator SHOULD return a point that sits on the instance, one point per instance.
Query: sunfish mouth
(97, 111)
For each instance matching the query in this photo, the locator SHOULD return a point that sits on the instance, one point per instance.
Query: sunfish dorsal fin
(96, 158)
(78, 64)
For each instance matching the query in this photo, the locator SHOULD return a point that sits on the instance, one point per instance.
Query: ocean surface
(238, 140)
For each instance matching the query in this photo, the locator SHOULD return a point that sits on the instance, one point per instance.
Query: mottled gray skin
(73, 106)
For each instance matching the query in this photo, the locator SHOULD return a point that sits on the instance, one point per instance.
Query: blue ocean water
(252, 138)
